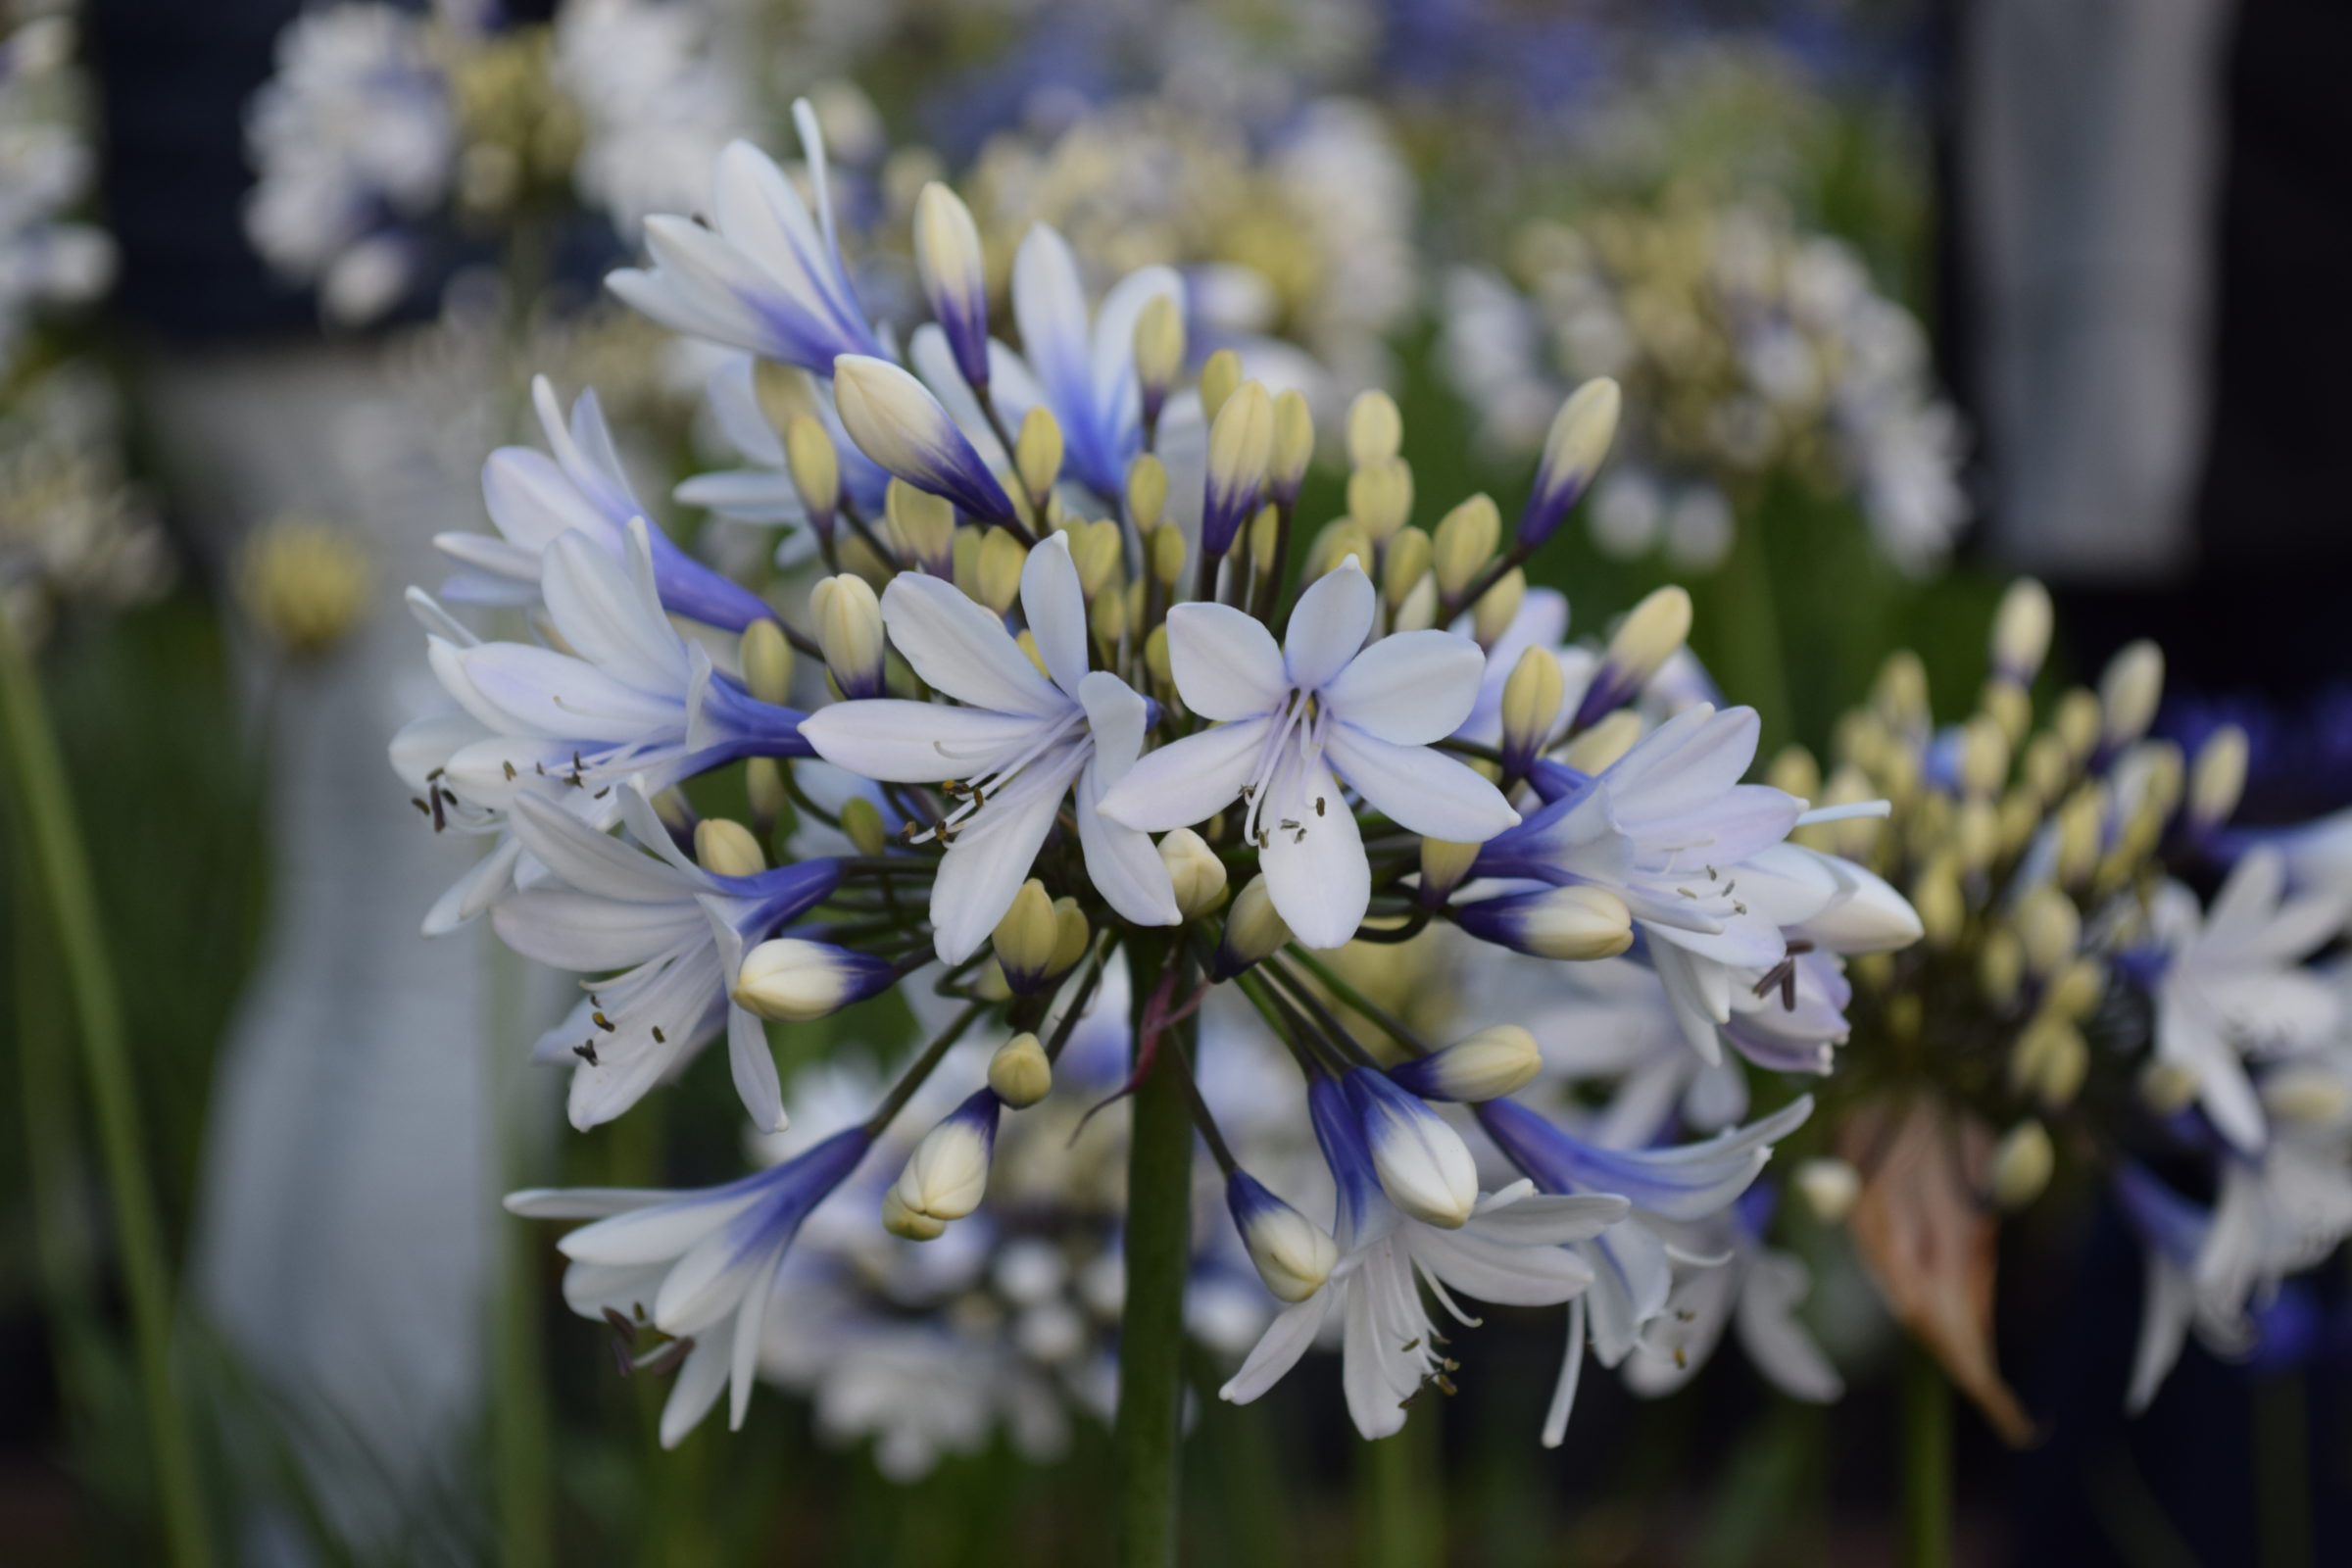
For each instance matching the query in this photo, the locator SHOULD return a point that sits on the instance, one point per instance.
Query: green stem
(523, 1473)
(2282, 1471)
(1753, 659)
(53, 844)
(1926, 1462)
(1160, 1180)
(1398, 1524)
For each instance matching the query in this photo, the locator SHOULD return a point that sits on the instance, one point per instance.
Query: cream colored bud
(794, 981)
(1095, 550)
(2080, 822)
(1253, 928)
(306, 582)
(1026, 936)
(1829, 1188)
(1019, 1072)
(1901, 692)
(1107, 616)
(1403, 564)
(1488, 1065)
(766, 663)
(2219, 776)
(2076, 994)
(1498, 607)
(1264, 531)
(1338, 539)
(1294, 443)
(1037, 452)
(1444, 865)
(1292, 1254)
(1603, 741)
(1158, 343)
(1983, 756)
(1532, 697)
(2008, 706)
(2048, 930)
(2305, 1096)
(1653, 632)
(2046, 766)
(1793, 772)
(1241, 443)
(848, 628)
(1147, 492)
(2022, 1163)
(1168, 554)
(1220, 377)
(1975, 833)
(1375, 429)
(1157, 663)
(1943, 908)
(2128, 692)
(947, 252)
(1198, 875)
(727, 849)
(1577, 923)
(763, 788)
(2076, 722)
(2019, 816)
(2001, 968)
(966, 555)
(1380, 498)
(2050, 1061)
(947, 1175)
(900, 1220)
(2167, 1088)
(1465, 542)
(816, 466)
(1072, 935)
(922, 526)
(862, 825)
(1001, 560)
(2021, 630)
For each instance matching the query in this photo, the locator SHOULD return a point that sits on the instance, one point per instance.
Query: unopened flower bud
(1338, 539)
(766, 663)
(1026, 936)
(1573, 451)
(794, 980)
(862, 825)
(1403, 564)
(900, 1220)
(2022, 1163)
(1793, 772)
(1293, 446)
(2076, 722)
(1264, 529)
(848, 628)
(1605, 742)
(815, 469)
(2049, 929)
(1107, 618)
(2128, 692)
(1380, 498)
(1158, 350)
(1936, 895)
(2006, 704)
(955, 277)
(2050, 1061)
(1240, 447)
(1488, 1065)
(2167, 1088)
(1983, 756)
(2076, 994)
(1375, 429)
(1019, 1072)
(1219, 379)
(1254, 929)
(1198, 875)
(1465, 542)
(304, 581)
(2306, 1095)
(1901, 693)
(947, 1175)
(1498, 607)
(1292, 1255)
(2219, 778)
(1444, 865)
(999, 569)
(1095, 550)
(1422, 1163)
(896, 421)
(921, 527)
(2001, 968)
(727, 849)
(1653, 632)
(1533, 696)
(1037, 452)
(2021, 631)
(1829, 1188)
(1573, 924)
(763, 788)
(1147, 492)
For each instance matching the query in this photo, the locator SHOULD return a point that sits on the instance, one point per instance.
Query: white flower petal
(990, 857)
(754, 1066)
(1225, 662)
(1320, 882)
(1507, 1273)
(899, 742)
(1278, 1348)
(1410, 689)
(961, 647)
(1123, 864)
(1187, 781)
(596, 862)
(1328, 626)
(587, 935)
(1423, 790)
(1055, 606)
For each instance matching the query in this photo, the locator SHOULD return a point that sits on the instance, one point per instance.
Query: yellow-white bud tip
(1095, 550)
(1025, 938)
(1292, 1254)
(1380, 498)
(1444, 865)
(1375, 429)
(1578, 923)
(1253, 928)
(1488, 1065)
(1607, 740)
(1498, 607)
(791, 980)
(2022, 1163)
(1218, 379)
(2021, 631)
(999, 570)
(1403, 566)
(1983, 756)
(1072, 936)
(1241, 443)
(2305, 1096)
(766, 663)
(2168, 1087)
(816, 466)
(1651, 633)
(900, 1220)
(862, 825)
(948, 254)
(847, 618)
(2219, 778)
(1532, 697)
(1293, 442)
(1466, 538)
(1581, 433)
(727, 849)
(947, 1175)
(1158, 343)
(1019, 1072)
(2128, 692)
(1829, 1188)
(2048, 928)
(1146, 491)
(1038, 452)
(921, 524)
(1198, 875)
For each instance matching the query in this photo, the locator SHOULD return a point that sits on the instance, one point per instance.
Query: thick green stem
(53, 847)
(1159, 1177)
(1926, 1462)
(1399, 1521)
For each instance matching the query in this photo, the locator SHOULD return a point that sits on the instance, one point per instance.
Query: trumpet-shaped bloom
(535, 499)
(1086, 371)
(1292, 717)
(2231, 986)
(632, 701)
(1013, 750)
(675, 933)
(700, 1265)
(764, 276)
(1509, 1251)
(1727, 1278)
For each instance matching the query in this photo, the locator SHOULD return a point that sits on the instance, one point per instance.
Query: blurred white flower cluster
(46, 257)
(1755, 349)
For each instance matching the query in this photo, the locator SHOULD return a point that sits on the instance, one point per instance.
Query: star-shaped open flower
(1012, 751)
(1294, 717)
